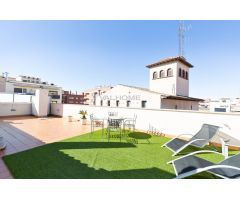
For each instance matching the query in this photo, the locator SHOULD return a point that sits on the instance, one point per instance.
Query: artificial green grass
(87, 157)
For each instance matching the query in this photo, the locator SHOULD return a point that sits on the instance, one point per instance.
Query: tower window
(180, 72)
(154, 75)
(162, 74)
(186, 75)
(183, 73)
(108, 102)
(169, 72)
(117, 103)
(101, 102)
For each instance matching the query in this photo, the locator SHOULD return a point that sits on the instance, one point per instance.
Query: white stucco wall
(165, 85)
(9, 87)
(171, 122)
(8, 97)
(136, 96)
(181, 105)
(20, 109)
(40, 103)
(219, 104)
(182, 84)
(2, 84)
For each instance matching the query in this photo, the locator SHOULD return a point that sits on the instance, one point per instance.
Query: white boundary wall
(8, 98)
(20, 109)
(172, 122)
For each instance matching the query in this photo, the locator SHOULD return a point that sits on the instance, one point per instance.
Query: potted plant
(84, 118)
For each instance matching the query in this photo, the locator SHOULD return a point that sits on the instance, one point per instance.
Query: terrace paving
(26, 132)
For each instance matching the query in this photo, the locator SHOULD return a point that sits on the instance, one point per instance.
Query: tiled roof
(169, 60)
(182, 98)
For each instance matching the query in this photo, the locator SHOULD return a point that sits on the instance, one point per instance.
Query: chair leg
(91, 130)
(120, 135)
(108, 134)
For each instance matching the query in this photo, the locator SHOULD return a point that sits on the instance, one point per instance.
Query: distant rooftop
(170, 60)
(102, 88)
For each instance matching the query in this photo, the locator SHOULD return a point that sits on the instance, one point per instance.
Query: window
(169, 72)
(128, 103)
(117, 103)
(186, 75)
(108, 102)
(55, 96)
(17, 90)
(101, 102)
(144, 104)
(154, 75)
(180, 72)
(219, 109)
(24, 90)
(183, 73)
(162, 74)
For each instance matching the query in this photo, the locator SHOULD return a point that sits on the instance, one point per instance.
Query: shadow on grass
(51, 162)
(136, 136)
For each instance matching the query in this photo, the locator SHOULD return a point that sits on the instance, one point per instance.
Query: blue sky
(78, 55)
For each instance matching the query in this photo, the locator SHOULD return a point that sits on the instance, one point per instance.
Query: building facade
(29, 85)
(168, 89)
(170, 76)
(220, 105)
(91, 94)
(70, 98)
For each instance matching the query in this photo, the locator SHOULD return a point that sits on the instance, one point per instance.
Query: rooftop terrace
(55, 148)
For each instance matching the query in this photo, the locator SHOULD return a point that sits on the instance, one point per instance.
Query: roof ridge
(171, 59)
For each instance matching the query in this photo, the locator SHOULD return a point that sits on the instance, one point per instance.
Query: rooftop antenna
(181, 38)
(5, 74)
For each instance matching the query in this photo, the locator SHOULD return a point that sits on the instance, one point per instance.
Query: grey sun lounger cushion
(203, 136)
(176, 144)
(2, 143)
(191, 163)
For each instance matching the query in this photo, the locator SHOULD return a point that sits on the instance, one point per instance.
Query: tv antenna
(5, 74)
(181, 38)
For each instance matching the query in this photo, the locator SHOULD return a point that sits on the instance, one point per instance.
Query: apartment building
(91, 94)
(72, 98)
(28, 85)
(220, 105)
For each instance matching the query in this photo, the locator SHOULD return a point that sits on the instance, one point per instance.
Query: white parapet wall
(16, 109)
(172, 122)
(40, 103)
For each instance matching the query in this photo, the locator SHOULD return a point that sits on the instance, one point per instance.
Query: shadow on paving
(49, 161)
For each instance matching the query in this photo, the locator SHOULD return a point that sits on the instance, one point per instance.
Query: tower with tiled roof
(170, 76)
